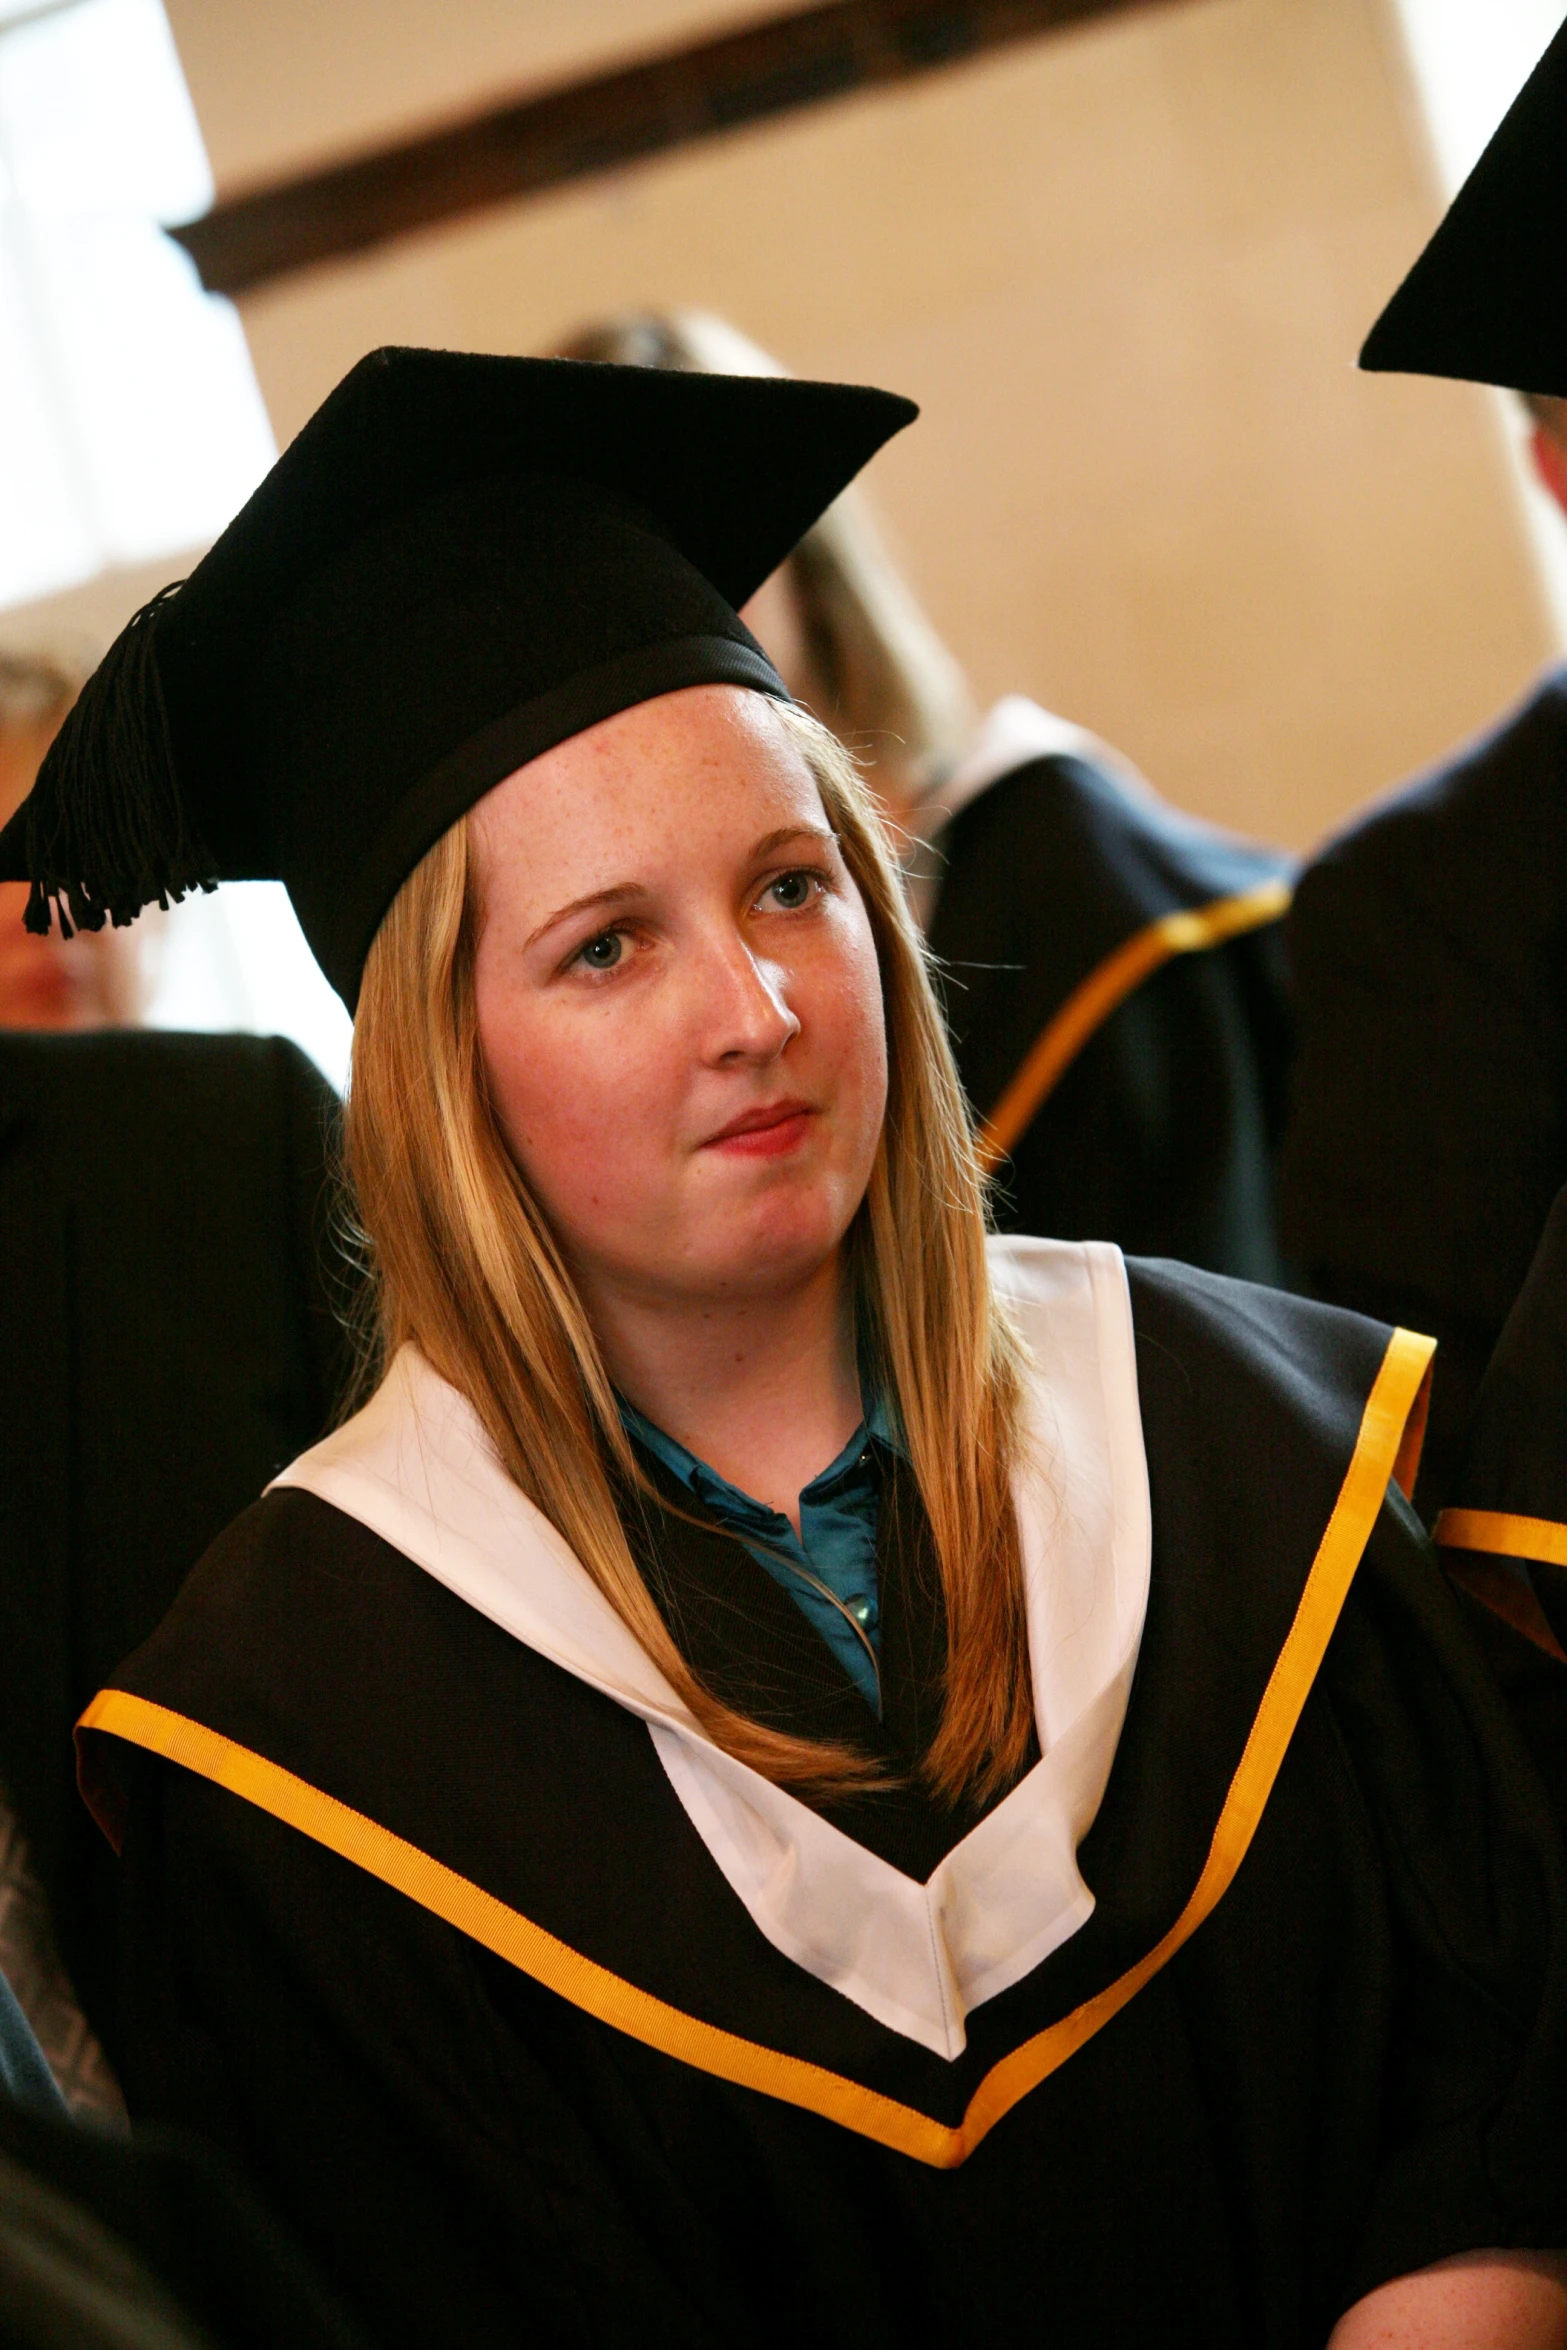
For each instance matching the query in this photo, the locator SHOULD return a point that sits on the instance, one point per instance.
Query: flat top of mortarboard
(733, 469)
(459, 562)
(1485, 301)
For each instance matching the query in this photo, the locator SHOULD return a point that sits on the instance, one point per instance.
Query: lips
(770, 1127)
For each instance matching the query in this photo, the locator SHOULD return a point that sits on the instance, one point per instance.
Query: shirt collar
(879, 1426)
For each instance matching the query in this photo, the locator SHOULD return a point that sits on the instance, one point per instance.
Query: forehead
(692, 776)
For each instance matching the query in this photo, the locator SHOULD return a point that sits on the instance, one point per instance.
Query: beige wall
(280, 84)
(1125, 271)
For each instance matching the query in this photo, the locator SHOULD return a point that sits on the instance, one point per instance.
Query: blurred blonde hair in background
(878, 674)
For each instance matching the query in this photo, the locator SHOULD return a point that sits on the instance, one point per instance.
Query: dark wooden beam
(542, 141)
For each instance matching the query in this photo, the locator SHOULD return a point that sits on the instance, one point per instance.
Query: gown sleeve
(1503, 1534)
(1474, 2070)
(445, 2181)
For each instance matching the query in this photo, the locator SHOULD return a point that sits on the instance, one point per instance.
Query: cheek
(851, 1021)
(576, 1101)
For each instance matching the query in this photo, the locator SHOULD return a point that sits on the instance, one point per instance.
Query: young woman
(790, 1776)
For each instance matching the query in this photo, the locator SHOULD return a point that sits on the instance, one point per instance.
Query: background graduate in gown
(1428, 1133)
(1146, 1922)
(1112, 970)
(167, 1341)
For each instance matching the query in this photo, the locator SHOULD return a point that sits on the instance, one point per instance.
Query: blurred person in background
(161, 1202)
(96, 979)
(91, 981)
(1428, 940)
(166, 1341)
(1431, 943)
(1111, 969)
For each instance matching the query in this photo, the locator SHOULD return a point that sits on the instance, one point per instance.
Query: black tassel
(107, 827)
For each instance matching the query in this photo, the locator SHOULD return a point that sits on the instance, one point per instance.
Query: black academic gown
(167, 1341)
(1503, 1536)
(1428, 1132)
(1128, 1069)
(422, 1936)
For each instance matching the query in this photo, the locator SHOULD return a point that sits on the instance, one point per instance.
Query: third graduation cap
(458, 563)
(1485, 300)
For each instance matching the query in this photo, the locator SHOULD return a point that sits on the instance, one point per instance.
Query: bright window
(238, 959)
(1471, 58)
(131, 425)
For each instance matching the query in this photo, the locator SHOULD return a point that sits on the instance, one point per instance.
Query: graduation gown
(1114, 987)
(1503, 1536)
(542, 2020)
(168, 1340)
(1428, 1130)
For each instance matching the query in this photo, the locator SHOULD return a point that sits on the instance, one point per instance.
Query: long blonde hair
(884, 681)
(467, 1269)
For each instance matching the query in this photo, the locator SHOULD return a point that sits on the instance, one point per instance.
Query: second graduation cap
(460, 562)
(1484, 302)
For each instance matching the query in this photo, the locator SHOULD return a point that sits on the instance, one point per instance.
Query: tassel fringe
(107, 828)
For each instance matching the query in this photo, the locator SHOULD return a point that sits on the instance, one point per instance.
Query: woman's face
(679, 1002)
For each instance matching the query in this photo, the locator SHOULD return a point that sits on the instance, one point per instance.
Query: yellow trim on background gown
(1498, 1534)
(1503, 1533)
(1105, 989)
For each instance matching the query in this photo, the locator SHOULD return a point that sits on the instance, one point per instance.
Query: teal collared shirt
(829, 1567)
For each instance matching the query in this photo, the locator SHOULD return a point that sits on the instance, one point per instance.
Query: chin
(774, 1252)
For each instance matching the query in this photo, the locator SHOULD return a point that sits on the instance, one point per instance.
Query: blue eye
(602, 953)
(792, 890)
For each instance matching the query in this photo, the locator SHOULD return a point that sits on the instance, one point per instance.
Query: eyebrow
(621, 894)
(625, 893)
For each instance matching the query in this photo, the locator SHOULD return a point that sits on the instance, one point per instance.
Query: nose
(748, 1013)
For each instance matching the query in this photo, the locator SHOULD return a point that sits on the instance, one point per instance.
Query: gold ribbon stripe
(1504, 1534)
(1107, 986)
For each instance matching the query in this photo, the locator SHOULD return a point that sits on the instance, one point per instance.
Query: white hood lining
(416, 1468)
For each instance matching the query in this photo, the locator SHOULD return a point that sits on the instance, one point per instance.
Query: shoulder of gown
(1063, 856)
(1113, 981)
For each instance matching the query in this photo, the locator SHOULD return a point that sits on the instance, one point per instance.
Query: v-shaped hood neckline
(416, 1468)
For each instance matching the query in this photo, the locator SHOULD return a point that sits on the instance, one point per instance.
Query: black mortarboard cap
(1484, 302)
(459, 562)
